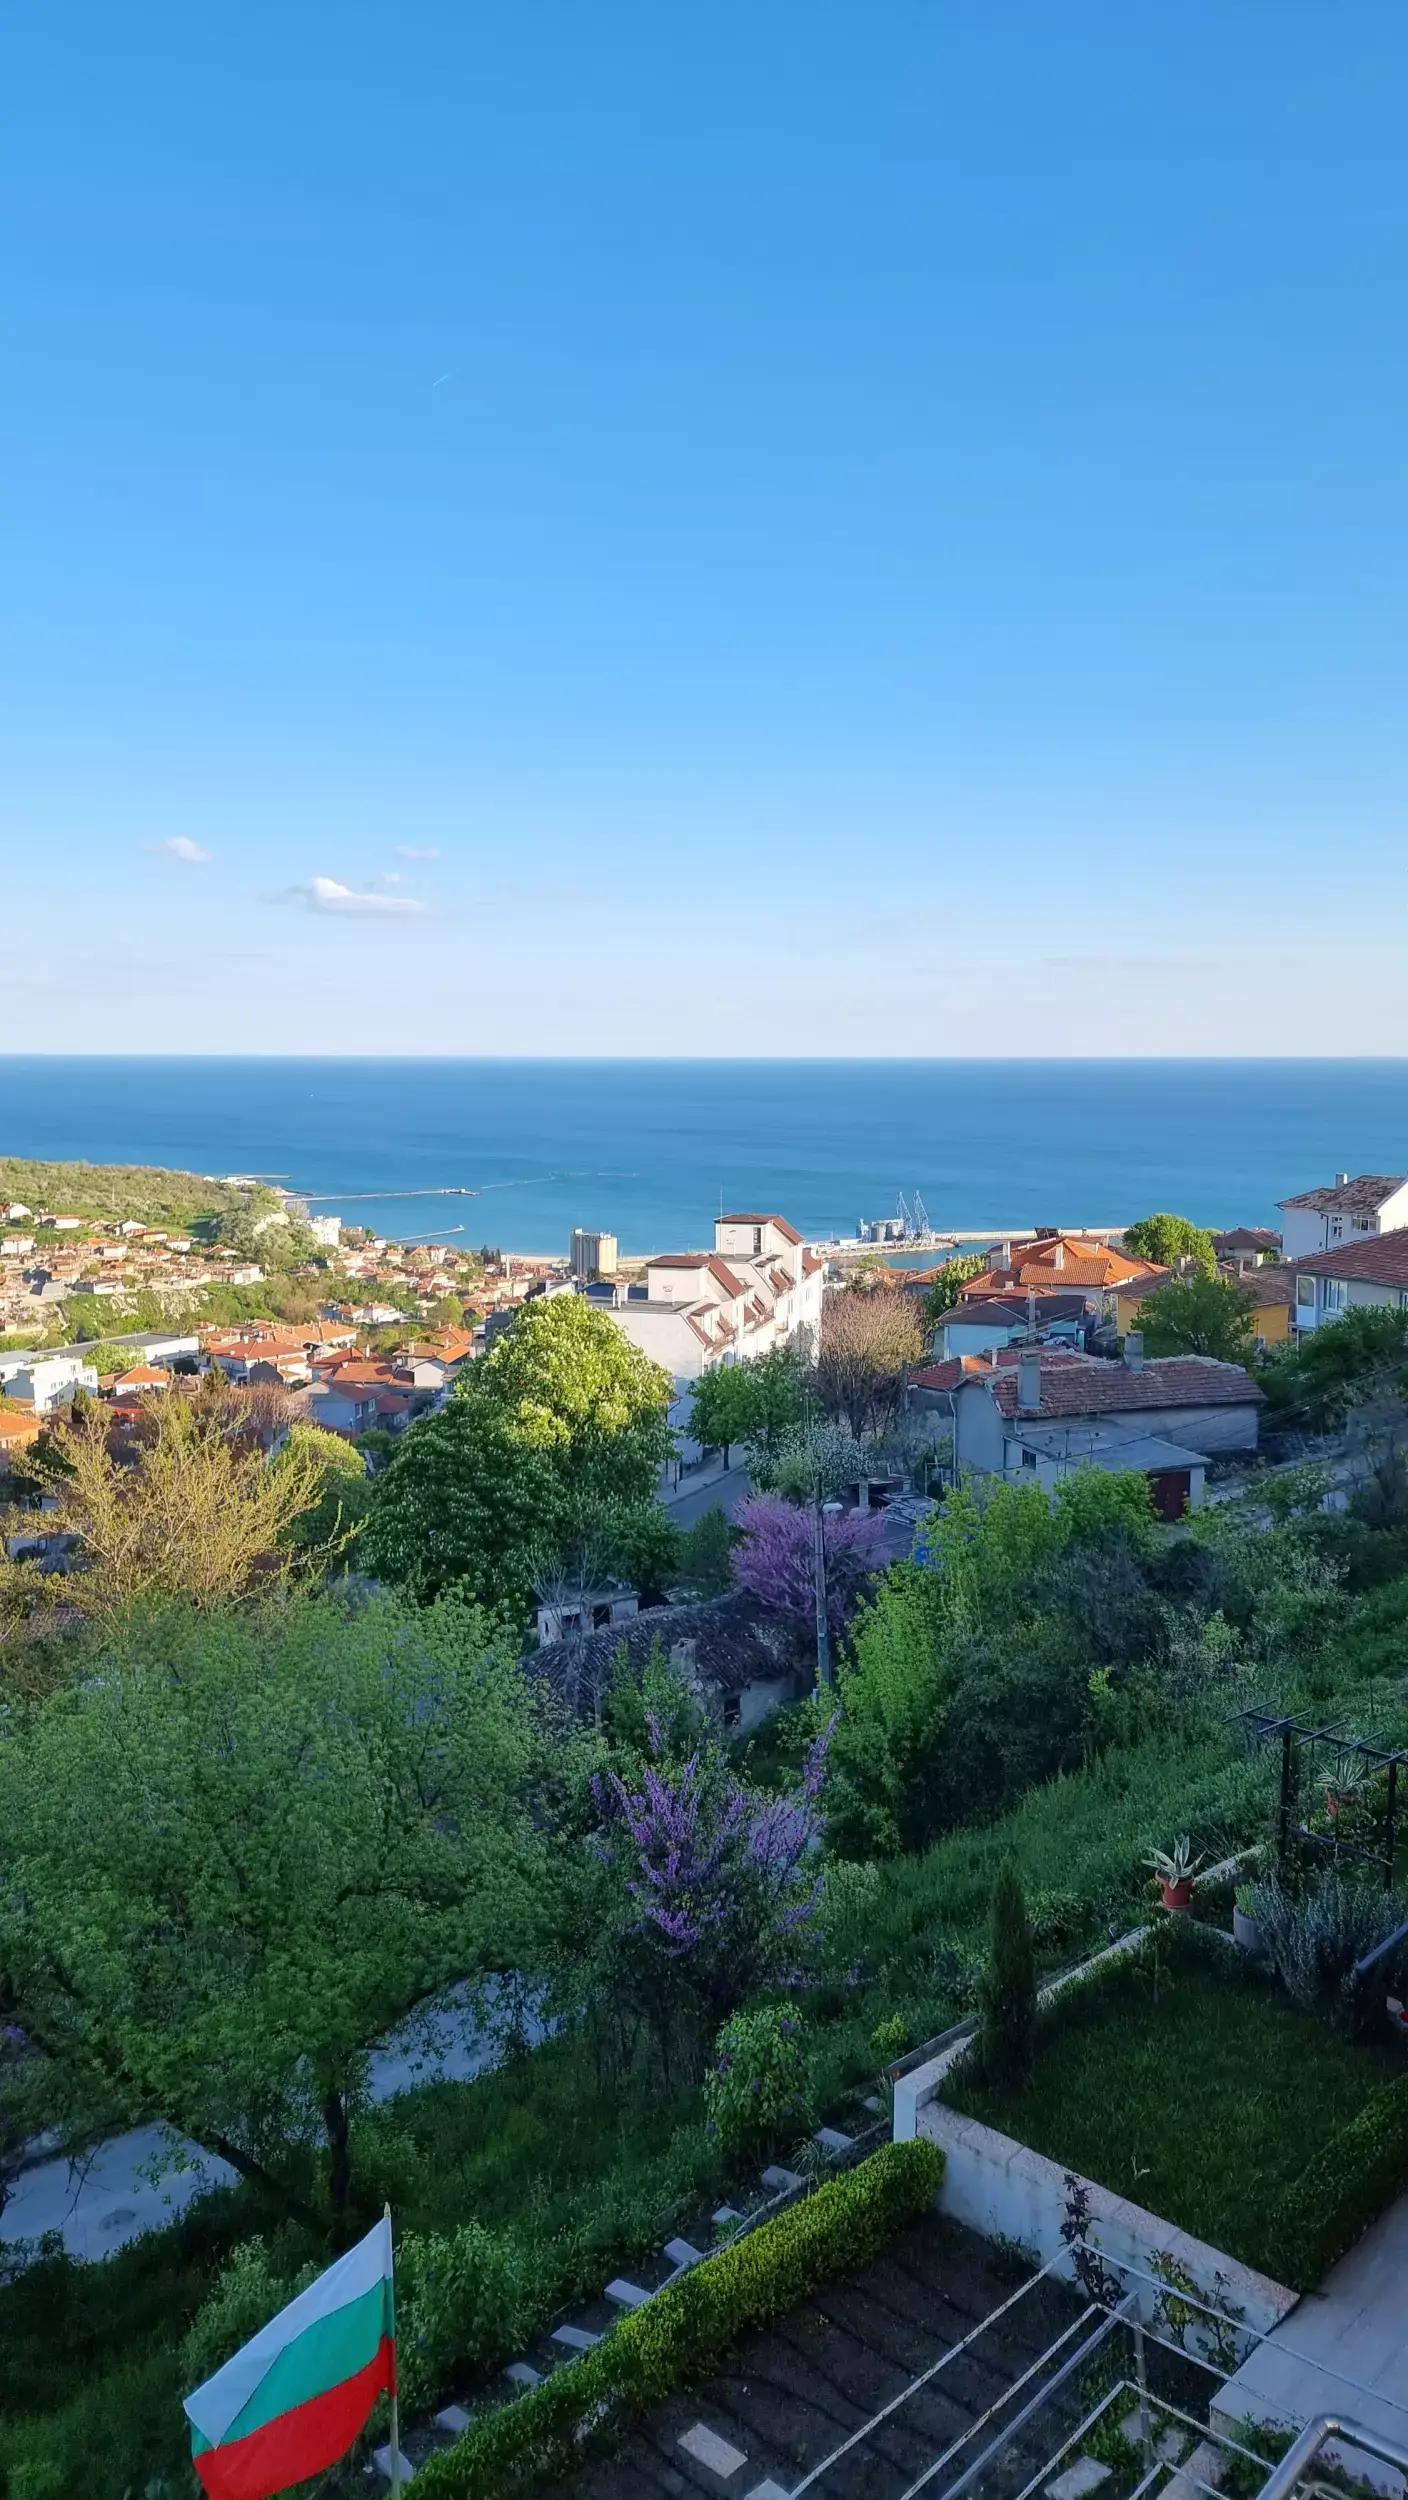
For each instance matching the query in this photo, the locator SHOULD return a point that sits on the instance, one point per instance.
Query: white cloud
(326, 894)
(415, 850)
(180, 847)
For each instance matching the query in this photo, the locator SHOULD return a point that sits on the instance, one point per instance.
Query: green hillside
(119, 1190)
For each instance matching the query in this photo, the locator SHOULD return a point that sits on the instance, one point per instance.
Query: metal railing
(1301, 2456)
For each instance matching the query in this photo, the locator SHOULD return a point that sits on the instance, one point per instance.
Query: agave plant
(1177, 1865)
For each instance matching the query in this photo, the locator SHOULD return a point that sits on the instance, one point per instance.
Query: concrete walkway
(1343, 2349)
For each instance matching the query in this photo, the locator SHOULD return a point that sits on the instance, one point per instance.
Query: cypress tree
(1007, 1997)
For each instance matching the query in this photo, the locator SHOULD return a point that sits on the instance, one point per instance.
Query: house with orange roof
(19, 1430)
(142, 1381)
(1065, 1263)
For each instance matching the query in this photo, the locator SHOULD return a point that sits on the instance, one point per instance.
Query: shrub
(250, 2288)
(758, 2086)
(890, 2038)
(459, 2293)
(684, 2331)
(1007, 1996)
(1315, 1938)
(1342, 2190)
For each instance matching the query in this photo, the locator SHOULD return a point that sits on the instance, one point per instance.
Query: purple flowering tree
(775, 1560)
(715, 1889)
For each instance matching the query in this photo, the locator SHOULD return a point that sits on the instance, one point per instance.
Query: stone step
(575, 2338)
(709, 2449)
(776, 2178)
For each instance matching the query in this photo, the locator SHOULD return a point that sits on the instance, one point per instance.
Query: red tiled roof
(962, 1367)
(1083, 1384)
(788, 1231)
(1380, 1259)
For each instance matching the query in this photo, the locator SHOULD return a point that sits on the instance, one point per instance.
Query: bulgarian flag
(294, 2399)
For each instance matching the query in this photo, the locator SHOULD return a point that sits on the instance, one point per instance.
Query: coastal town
(367, 1334)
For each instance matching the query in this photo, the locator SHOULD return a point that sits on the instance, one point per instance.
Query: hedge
(685, 2331)
(1343, 2190)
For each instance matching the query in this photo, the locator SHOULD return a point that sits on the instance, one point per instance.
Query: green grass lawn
(1199, 2090)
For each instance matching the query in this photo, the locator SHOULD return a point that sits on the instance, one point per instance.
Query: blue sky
(875, 527)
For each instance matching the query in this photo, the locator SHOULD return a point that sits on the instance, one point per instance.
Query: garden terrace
(1182, 2079)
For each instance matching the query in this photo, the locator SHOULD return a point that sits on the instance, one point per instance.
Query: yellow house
(1273, 1290)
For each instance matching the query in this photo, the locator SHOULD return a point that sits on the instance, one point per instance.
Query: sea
(512, 1153)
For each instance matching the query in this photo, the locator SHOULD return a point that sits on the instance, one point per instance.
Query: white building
(759, 1287)
(1035, 1420)
(1361, 1276)
(45, 1382)
(1353, 1209)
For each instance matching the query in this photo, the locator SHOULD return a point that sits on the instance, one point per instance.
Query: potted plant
(1246, 1926)
(1175, 1869)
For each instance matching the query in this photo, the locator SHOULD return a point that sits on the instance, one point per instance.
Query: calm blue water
(644, 1148)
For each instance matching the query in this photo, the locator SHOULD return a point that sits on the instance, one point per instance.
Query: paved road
(723, 1489)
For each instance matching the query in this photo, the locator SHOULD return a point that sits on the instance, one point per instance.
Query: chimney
(1029, 1383)
(1058, 1255)
(1134, 1351)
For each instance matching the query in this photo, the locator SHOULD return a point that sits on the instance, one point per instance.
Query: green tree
(1169, 1240)
(724, 1408)
(1199, 1315)
(340, 1495)
(944, 1292)
(1356, 1361)
(1007, 1996)
(706, 1549)
(762, 1402)
(563, 1421)
(248, 1848)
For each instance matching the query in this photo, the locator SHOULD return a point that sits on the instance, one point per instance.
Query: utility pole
(823, 1628)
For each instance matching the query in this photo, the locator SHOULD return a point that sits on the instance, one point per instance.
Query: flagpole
(395, 2408)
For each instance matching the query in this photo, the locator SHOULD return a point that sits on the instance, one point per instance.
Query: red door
(1171, 1488)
